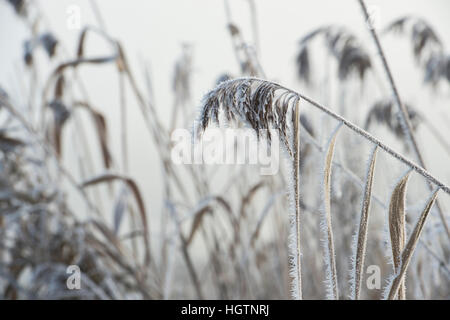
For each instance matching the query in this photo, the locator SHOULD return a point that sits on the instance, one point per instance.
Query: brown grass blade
(248, 198)
(362, 233)
(397, 226)
(139, 201)
(102, 131)
(197, 222)
(207, 208)
(60, 116)
(410, 247)
(332, 289)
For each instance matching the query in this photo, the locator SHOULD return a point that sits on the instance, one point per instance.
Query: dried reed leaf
(59, 87)
(100, 125)
(121, 61)
(204, 209)
(102, 131)
(60, 115)
(248, 198)
(108, 234)
(397, 225)
(410, 247)
(81, 59)
(197, 222)
(332, 288)
(139, 201)
(360, 253)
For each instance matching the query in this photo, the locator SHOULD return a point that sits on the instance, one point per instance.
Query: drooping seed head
(259, 104)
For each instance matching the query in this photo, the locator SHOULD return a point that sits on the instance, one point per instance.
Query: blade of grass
(331, 273)
(397, 226)
(411, 246)
(360, 253)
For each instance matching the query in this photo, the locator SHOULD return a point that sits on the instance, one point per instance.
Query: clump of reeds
(263, 105)
(227, 242)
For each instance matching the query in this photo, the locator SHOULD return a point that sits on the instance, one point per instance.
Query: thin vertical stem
(296, 166)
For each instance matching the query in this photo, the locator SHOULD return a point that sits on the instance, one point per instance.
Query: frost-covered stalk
(325, 224)
(297, 270)
(360, 238)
